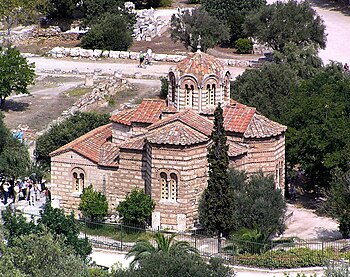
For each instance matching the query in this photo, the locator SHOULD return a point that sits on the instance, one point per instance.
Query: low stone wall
(80, 53)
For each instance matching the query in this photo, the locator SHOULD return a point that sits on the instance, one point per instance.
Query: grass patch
(115, 232)
(77, 92)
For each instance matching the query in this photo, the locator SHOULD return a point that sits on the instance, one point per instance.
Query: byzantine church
(161, 146)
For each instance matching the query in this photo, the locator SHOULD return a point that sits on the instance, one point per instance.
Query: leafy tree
(40, 255)
(190, 24)
(244, 46)
(176, 265)
(66, 226)
(283, 22)
(13, 12)
(59, 9)
(111, 32)
(338, 200)
(318, 135)
(232, 13)
(303, 60)
(65, 132)
(164, 87)
(14, 155)
(16, 73)
(93, 204)
(165, 244)
(137, 208)
(94, 10)
(267, 88)
(258, 205)
(215, 207)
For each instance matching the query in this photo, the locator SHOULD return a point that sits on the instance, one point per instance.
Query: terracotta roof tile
(236, 149)
(176, 133)
(88, 145)
(148, 111)
(190, 118)
(200, 65)
(262, 127)
(123, 117)
(133, 143)
(237, 118)
(108, 154)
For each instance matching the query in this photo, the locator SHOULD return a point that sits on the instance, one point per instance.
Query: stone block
(74, 52)
(124, 55)
(114, 54)
(97, 53)
(86, 53)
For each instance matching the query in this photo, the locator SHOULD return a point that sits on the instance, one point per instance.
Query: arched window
(173, 86)
(211, 94)
(164, 186)
(188, 96)
(78, 179)
(192, 95)
(173, 187)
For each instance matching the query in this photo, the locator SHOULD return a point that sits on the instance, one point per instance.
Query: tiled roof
(236, 149)
(200, 64)
(176, 133)
(88, 145)
(190, 118)
(124, 117)
(133, 143)
(237, 118)
(261, 127)
(109, 153)
(169, 109)
(148, 111)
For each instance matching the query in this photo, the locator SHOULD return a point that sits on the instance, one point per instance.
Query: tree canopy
(267, 88)
(176, 265)
(258, 205)
(318, 135)
(111, 32)
(137, 208)
(93, 204)
(62, 8)
(215, 207)
(232, 13)
(14, 155)
(190, 24)
(16, 73)
(65, 132)
(284, 22)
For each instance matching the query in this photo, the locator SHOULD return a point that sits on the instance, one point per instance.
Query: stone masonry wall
(190, 165)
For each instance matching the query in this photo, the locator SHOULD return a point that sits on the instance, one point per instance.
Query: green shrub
(93, 204)
(165, 3)
(194, 1)
(293, 258)
(244, 46)
(110, 33)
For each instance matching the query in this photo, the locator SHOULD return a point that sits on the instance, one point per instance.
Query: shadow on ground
(15, 106)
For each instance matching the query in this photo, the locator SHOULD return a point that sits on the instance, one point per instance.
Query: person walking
(6, 187)
(149, 56)
(142, 58)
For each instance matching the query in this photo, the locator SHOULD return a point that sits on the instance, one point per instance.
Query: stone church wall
(62, 186)
(190, 165)
(120, 132)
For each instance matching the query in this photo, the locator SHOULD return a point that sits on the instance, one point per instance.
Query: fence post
(195, 239)
(121, 237)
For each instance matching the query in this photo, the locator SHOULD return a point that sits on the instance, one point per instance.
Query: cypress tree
(215, 207)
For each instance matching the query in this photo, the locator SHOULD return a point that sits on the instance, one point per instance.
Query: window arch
(78, 176)
(164, 186)
(169, 187)
(173, 86)
(211, 90)
(189, 95)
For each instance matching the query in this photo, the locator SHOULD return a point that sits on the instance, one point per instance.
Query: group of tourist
(26, 189)
(145, 58)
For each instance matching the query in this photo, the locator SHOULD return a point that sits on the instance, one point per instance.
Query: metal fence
(121, 237)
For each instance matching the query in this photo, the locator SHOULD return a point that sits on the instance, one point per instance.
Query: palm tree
(165, 244)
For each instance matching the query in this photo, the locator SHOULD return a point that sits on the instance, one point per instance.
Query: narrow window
(212, 95)
(208, 95)
(173, 88)
(192, 95)
(173, 187)
(81, 181)
(164, 186)
(75, 181)
(188, 96)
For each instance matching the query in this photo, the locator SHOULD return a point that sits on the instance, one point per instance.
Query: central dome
(200, 65)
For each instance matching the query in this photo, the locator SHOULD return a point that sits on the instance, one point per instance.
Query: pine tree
(215, 208)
